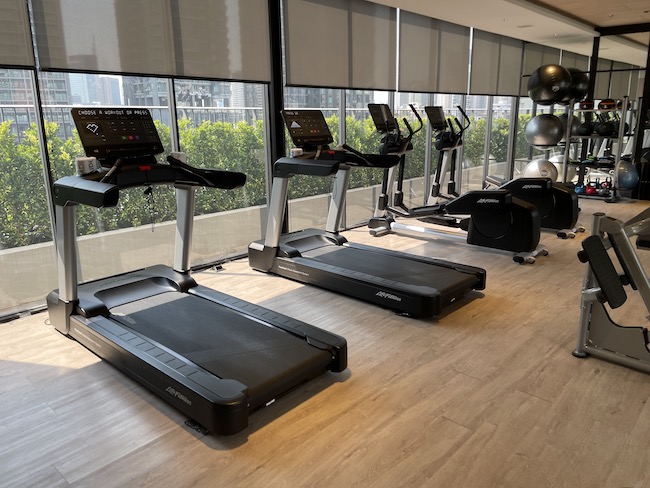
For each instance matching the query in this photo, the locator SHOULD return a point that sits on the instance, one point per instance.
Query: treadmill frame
(276, 254)
(221, 405)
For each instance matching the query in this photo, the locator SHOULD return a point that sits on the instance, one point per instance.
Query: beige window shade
(15, 36)
(496, 64)
(434, 55)
(340, 44)
(223, 39)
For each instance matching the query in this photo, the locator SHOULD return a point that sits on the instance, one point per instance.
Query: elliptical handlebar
(468, 122)
(408, 126)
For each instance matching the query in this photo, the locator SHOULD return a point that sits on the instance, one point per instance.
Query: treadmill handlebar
(227, 180)
(87, 190)
(78, 190)
(326, 162)
(288, 167)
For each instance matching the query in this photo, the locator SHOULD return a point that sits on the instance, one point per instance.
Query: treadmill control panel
(112, 133)
(436, 117)
(382, 117)
(307, 128)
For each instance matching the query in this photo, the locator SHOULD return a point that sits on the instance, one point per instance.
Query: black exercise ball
(549, 84)
(579, 85)
(606, 128)
(544, 130)
(585, 129)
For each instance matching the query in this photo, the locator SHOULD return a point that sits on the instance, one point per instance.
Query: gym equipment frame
(598, 334)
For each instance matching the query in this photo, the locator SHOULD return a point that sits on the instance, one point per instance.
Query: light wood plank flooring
(487, 395)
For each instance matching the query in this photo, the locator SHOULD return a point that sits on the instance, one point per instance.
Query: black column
(276, 90)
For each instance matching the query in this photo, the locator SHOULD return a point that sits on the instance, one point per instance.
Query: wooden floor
(487, 395)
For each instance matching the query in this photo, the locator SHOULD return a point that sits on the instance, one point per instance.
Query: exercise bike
(493, 219)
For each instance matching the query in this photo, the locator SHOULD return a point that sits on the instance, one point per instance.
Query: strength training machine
(417, 286)
(494, 219)
(212, 356)
(598, 334)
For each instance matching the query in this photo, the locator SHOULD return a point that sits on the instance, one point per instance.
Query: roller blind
(340, 44)
(496, 64)
(15, 36)
(536, 55)
(620, 80)
(634, 84)
(601, 87)
(434, 55)
(226, 39)
(573, 60)
(223, 39)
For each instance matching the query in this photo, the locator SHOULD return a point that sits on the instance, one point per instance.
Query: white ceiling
(570, 25)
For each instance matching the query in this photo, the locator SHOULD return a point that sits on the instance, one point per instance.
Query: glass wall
(474, 137)
(361, 134)
(309, 195)
(27, 258)
(221, 125)
(497, 162)
(218, 124)
(413, 190)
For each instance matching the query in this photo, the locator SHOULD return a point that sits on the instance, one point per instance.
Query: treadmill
(417, 286)
(212, 356)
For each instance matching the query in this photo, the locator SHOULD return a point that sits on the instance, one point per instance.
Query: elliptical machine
(492, 219)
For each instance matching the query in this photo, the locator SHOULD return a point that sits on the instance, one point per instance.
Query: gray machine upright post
(185, 202)
(66, 251)
(276, 212)
(337, 203)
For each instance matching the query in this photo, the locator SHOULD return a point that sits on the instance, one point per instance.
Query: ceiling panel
(564, 24)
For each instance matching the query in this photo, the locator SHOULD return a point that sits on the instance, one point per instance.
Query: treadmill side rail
(220, 405)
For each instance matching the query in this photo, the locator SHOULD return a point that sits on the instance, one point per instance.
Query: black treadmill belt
(225, 343)
(448, 281)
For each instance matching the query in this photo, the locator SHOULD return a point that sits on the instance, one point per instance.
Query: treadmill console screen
(307, 128)
(436, 118)
(382, 117)
(113, 133)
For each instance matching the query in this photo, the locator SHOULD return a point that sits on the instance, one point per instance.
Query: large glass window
(27, 259)
(361, 134)
(449, 104)
(474, 142)
(499, 136)
(523, 151)
(221, 125)
(104, 246)
(309, 195)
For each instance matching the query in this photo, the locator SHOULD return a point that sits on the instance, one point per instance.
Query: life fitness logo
(177, 394)
(389, 296)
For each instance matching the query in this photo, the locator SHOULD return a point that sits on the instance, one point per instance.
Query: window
(221, 125)
(27, 258)
(309, 195)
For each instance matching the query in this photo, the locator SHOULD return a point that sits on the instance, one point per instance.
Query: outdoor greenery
(24, 217)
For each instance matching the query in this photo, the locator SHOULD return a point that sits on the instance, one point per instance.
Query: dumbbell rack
(569, 138)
